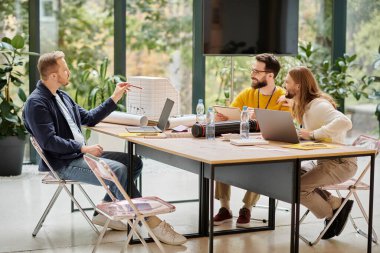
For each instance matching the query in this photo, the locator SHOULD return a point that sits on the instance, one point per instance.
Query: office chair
(133, 211)
(53, 178)
(352, 186)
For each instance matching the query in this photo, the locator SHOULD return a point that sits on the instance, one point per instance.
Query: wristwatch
(311, 136)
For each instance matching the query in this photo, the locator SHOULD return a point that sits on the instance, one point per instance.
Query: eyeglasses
(256, 71)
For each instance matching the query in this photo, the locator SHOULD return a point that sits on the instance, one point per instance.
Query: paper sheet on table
(185, 121)
(310, 145)
(126, 119)
(144, 135)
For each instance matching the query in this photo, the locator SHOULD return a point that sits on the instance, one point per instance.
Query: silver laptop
(277, 125)
(161, 122)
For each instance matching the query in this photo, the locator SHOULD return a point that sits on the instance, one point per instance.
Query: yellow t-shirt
(252, 98)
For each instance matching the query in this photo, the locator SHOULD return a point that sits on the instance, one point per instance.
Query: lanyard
(258, 98)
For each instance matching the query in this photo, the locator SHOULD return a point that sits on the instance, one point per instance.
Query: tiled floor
(24, 198)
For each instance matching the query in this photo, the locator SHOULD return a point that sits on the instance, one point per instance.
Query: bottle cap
(200, 100)
(245, 108)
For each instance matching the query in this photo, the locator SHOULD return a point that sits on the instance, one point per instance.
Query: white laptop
(161, 122)
(277, 125)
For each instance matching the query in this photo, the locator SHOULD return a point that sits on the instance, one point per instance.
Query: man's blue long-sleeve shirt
(44, 120)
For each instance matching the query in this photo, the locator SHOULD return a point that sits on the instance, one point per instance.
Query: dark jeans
(78, 170)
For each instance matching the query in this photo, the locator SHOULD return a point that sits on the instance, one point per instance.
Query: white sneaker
(100, 220)
(166, 234)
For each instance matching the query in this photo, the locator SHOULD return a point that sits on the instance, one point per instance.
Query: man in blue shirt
(55, 120)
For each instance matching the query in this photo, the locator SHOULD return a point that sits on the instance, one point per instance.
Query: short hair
(271, 63)
(47, 63)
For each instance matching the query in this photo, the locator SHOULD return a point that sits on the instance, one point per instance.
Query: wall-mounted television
(249, 27)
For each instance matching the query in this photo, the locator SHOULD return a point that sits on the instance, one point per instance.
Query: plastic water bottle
(210, 124)
(200, 111)
(244, 123)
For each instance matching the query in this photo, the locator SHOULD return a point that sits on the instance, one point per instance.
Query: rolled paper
(123, 118)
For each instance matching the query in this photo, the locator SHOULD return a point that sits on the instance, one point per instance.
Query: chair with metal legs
(53, 178)
(133, 211)
(352, 186)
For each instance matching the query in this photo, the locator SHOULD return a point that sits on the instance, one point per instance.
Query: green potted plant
(334, 78)
(12, 96)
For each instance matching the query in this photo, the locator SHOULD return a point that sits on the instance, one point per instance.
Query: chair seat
(49, 179)
(346, 185)
(148, 206)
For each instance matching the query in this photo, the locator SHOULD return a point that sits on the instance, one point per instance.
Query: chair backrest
(39, 150)
(367, 142)
(103, 172)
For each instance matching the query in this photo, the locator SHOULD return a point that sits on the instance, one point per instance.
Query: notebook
(277, 125)
(161, 122)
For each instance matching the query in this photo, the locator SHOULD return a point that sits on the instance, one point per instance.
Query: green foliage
(98, 85)
(12, 58)
(11, 11)
(158, 25)
(335, 79)
(219, 92)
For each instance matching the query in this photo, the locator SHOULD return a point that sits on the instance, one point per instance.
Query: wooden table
(271, 170)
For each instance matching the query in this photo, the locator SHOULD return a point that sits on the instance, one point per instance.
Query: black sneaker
(343, 216)
(340, 221)
(330, 233)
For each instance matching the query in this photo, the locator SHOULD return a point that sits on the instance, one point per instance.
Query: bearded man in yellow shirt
(263, 94)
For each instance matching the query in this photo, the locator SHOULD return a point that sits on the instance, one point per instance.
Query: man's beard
(289, 94)
(258, 84)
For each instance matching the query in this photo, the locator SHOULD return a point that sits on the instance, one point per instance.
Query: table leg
(370, 212)
(211, 223)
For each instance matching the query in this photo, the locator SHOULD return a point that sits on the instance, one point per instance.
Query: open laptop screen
(276, 125)
(165, 114)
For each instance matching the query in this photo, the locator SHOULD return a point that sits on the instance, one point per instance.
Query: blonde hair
(308, 91)
(47, 63)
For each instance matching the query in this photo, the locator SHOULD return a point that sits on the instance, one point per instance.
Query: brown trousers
(223, 191)
(320, 173)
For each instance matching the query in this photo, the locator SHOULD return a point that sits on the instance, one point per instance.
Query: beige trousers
(320, 173)
(223, 191)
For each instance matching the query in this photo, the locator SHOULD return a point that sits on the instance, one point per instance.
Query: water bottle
(200, 111)
(210, 124)
(244, 123)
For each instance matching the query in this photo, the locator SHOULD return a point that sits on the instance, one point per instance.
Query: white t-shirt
(78, 136)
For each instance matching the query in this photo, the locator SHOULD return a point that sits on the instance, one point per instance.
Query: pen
(131, 85)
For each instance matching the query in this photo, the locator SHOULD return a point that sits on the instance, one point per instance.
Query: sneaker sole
(171, 243)
(217, 223)
(340, 228)
(243, 225)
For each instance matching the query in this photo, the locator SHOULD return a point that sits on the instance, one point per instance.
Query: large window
(159, 43)
(363, 33)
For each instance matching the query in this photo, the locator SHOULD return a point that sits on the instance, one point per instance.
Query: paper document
(232, 113)
(126, 119)
(144, 135)
(310, 145)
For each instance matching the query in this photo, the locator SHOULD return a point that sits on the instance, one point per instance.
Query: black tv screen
(248, 27)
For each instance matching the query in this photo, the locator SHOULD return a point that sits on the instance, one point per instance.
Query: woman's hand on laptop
(304, 134)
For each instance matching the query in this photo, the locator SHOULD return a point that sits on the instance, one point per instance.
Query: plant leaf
(21, 94)
(18, 41)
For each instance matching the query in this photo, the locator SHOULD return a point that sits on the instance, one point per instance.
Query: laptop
(277, 125)
(161, 122)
